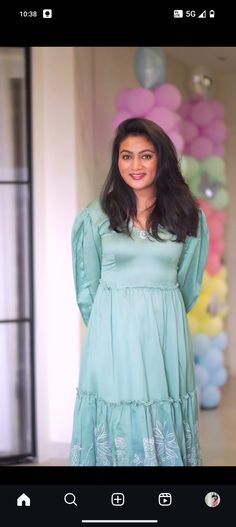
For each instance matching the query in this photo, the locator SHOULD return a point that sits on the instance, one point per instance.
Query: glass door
(17, 422)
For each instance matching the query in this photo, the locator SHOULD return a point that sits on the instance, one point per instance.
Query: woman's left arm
(192, 263)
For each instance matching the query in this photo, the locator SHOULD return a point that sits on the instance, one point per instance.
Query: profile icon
(212, 499)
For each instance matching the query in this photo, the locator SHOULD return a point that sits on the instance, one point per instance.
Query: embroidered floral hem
(135, 433)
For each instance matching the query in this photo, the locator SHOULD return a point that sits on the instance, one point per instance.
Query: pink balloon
(140, 100)
(217, 246)
(219, 150)
(213, 264)
(188, 130)
(218, 109)
(200, 148)
(121, 99)
(215, 227)
(184, 109)
(168, 95)
(122, 115)
(164, 117)
(206, 207)
(216, 131)
(201, 113)
(221, 215)
(177, 139)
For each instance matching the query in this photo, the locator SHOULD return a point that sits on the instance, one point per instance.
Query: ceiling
(218, 60)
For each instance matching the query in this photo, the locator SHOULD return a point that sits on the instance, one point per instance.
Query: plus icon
(117, 499)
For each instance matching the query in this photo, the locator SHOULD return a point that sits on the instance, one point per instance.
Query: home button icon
(23, 501)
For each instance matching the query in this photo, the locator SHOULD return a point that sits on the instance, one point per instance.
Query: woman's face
(137, 162)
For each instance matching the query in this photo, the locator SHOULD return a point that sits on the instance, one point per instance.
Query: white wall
(55, 206)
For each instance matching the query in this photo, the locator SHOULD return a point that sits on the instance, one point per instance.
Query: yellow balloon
(223, 273)
(205, 280)
(212, 326)
(220, 288)
(223, 311)
(193, 324)
(201, 305)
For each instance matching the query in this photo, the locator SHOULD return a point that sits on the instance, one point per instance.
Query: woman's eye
(126, 156)
(147, 156)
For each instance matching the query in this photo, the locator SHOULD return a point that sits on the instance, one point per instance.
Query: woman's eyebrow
(141, 151)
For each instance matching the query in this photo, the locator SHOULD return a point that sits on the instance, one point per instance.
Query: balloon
(201, 113)
(201, 304)
(209, 186)
(221, 200)
(220, 341)
(201, 343)
(177, 139)
(201, 83)
(168, 95)
(140, 101)
(164, 117)
(213, 263)
(211, 325)
(216, 131)
(184, 109)
(194, 183)
(215, 165)
(219, 150)
(188, 130)
(202, 375)
(212, 360)
(216, 227)
(193, 324)
(121, 99)
(210, 397)
(200, 148)
(206, 207)
(122, 115)
(150, 66)
(219, 377)
(218, 109)
(189, 167)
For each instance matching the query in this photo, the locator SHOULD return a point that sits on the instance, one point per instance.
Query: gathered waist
(113, 285)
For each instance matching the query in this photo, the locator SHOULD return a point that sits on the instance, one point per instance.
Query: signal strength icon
(202, 15)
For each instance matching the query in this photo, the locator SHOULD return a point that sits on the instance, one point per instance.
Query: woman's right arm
(86, 258)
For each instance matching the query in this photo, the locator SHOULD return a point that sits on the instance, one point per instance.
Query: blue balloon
(219, 377)
(150, 66)
(212, 360)
(201, 343)
(202, 375)
(220, 340)
(210, 397)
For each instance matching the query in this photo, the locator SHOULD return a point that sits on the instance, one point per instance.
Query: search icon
(68, 500)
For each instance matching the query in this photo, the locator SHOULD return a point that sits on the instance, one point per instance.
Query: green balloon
(194, 183)
(221, 200)
(189, 167)
(215, 167)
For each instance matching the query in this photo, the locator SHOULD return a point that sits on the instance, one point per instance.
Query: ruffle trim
(180, 400)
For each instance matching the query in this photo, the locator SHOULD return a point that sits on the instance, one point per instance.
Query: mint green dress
(136, 401)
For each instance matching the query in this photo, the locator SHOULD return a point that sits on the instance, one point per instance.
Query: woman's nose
(136, 163)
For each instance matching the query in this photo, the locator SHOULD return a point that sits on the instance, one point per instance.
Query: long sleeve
(192, 263)
(86, 258)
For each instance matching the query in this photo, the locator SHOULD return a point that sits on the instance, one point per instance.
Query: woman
(139, 252)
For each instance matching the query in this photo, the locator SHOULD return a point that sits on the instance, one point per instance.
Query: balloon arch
(196, 127)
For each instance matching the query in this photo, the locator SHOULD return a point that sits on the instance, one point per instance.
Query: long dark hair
(176, 208)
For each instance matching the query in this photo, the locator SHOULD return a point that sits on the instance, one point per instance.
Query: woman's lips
(137, 176)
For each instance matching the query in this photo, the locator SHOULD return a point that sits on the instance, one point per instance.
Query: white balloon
(150, 66)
